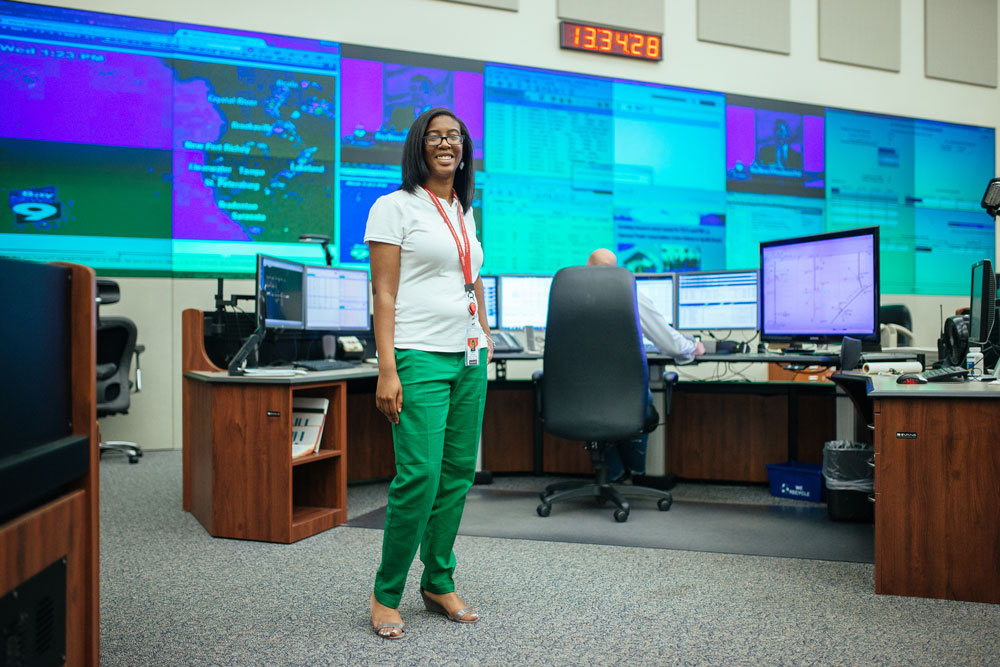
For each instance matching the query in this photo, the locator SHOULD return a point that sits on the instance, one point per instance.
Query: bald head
(602, 257)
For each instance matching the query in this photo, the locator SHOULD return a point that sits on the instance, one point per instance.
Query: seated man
(629, 457)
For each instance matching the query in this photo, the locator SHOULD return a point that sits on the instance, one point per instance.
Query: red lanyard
(464, 254)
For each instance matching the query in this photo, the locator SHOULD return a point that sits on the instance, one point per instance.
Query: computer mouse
(910, 378)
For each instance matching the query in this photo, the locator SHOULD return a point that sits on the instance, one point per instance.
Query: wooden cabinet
(730, 431)
(937, 497)
(64, 526)
(244, 483)
(239, 477)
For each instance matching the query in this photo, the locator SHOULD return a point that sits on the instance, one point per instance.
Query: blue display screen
(144, 147)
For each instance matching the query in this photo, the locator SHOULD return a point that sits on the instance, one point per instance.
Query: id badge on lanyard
(472, 331)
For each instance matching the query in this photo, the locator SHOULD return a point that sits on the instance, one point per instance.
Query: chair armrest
(536, 379)
(669, 381)
(139, 349)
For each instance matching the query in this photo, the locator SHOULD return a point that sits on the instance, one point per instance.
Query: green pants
(435, 444)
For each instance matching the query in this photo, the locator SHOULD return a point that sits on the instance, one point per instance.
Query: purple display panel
(774, 147)
(813, 136)
(383, 94)
(820, 289)
(740, 140)
(104, 98)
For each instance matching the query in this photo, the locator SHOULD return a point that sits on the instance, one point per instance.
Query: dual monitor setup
(292, 296)
(816, 288)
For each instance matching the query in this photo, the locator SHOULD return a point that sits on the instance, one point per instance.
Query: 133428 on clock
(610, 41)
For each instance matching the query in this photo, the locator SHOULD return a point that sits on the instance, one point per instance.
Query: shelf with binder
(240, 480)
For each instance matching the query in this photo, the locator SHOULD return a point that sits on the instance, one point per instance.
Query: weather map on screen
(161, 147)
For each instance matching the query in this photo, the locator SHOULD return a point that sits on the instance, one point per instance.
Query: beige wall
(529, 37)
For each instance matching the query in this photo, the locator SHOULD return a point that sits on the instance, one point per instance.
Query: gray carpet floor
(173, 595)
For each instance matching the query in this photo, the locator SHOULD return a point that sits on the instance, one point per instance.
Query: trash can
(849, 474)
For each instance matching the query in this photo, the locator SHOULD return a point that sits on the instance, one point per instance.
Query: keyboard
(324, 364)
(945, 373)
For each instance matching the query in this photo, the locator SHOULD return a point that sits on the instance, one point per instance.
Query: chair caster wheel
(664, 503)
(133, 459)
(543, 496)
(544, 509)
(621, 516)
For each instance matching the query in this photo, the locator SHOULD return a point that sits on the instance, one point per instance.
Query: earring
(461, 165)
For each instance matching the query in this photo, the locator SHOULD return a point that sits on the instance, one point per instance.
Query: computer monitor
(279, 293)
(821, 287)
(524, 301)
(490, 299)
(982, 310)
(717, 300)
(336, 299)
(658, 288)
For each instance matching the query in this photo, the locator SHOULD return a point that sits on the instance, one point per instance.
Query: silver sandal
(385, 630)
(459, 616)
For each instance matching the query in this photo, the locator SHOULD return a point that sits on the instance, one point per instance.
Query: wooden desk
(937, 489)
(239, 477)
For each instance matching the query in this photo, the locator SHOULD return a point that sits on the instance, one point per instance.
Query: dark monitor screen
(336, 299)
(658, 288)
(490, 299)
(820, 287)
(524, 301)
(279, 293)
(717, 300)
(982, 309)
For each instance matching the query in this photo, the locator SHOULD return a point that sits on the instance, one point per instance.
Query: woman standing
(429, 324)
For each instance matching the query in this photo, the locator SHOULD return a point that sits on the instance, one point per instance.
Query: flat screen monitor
(658, 288)
(821, 287)
(982, 309)
(279, 293)
(490, 297)
(524, 301)
(717, 300)
(336, 299)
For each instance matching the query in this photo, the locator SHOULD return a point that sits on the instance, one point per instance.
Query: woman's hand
(489, 348)
(389, 396)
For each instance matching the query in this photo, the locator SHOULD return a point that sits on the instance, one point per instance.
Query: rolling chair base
(130, 448)
(602, 493)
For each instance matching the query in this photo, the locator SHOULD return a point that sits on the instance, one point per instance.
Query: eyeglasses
(435, 140)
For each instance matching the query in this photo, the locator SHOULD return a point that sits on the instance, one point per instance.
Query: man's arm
(670, 342)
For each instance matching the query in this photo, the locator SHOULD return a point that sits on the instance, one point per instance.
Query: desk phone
(505, 342)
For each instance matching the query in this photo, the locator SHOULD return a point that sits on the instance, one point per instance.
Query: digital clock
(598, 39)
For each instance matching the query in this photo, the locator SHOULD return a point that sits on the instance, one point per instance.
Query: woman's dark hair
(415, 171)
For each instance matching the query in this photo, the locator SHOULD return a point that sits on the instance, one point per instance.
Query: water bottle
(974, 361)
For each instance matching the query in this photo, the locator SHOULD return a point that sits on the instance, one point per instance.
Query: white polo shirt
(432, 309)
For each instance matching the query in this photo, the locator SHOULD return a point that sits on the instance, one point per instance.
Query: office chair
(595, 379)
(116, 343)
(898, 315)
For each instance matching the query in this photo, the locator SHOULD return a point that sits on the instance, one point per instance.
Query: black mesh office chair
(595, 379)
(897, 314)
(116, 344)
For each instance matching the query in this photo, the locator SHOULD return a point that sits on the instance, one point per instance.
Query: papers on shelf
(308, 417)
(274, 372)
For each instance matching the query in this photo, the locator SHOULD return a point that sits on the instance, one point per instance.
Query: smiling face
(443, 159)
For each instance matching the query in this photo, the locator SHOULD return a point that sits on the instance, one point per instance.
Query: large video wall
(145, 147)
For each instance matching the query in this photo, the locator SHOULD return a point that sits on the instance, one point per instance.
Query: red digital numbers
(582, 37)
